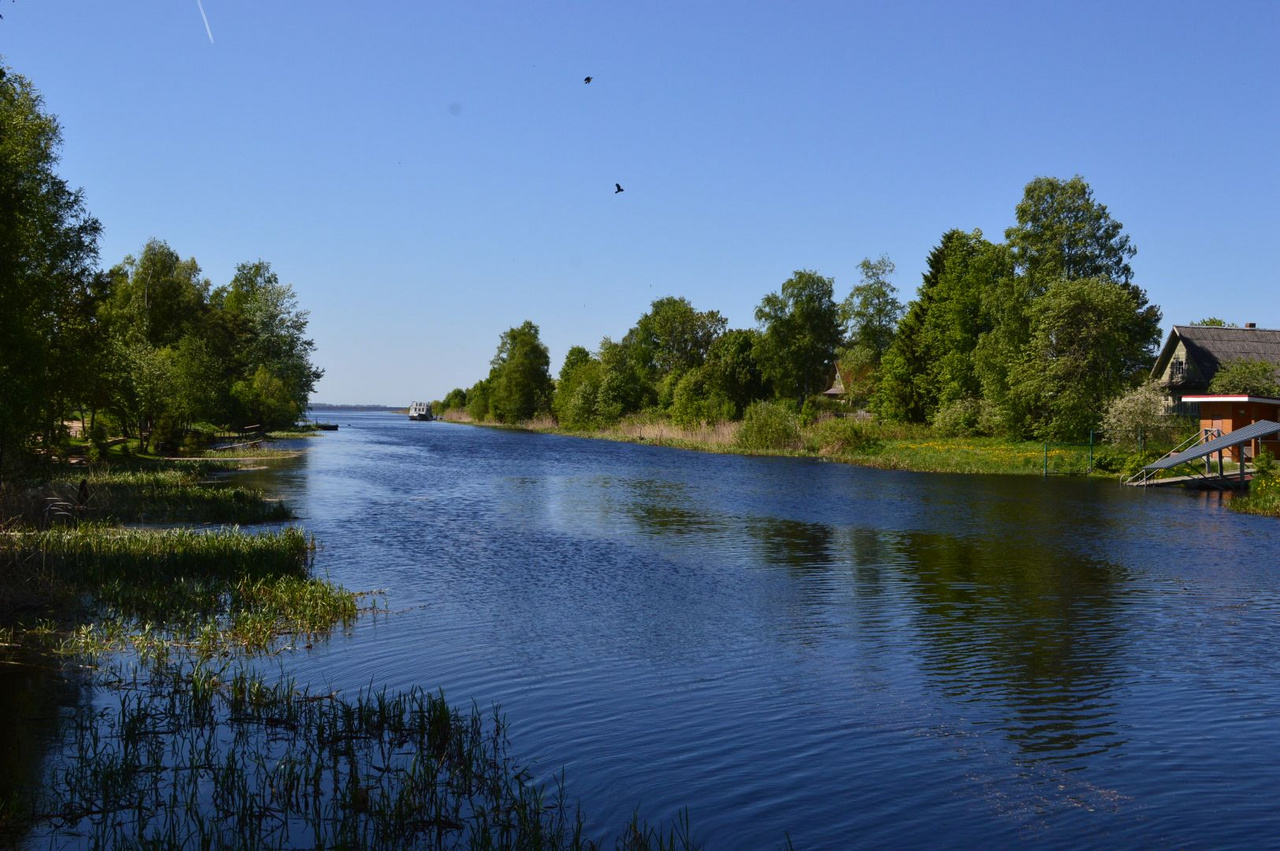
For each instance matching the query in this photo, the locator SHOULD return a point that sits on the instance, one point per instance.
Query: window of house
(1177, 369)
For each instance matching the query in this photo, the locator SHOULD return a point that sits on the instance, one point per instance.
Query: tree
(870, 314)
(520, 377)
(675, 337)
(455, 399)
(576, 402)
(1063, 233)
(800, 331)
(931, 362)
(1081, 355)
(625, 387)
(158, 297)
(871, 311)
(731, 372)
(1251, 377)
(1215, 322)
(261, 321)
(1141, 416)
(478, 400)
(48, 251)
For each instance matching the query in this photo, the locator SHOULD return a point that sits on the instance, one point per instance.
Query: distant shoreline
(329, 406)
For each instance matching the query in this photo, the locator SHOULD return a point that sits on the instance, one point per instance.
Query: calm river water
(796, 648)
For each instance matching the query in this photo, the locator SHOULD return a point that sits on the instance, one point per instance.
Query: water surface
(805, 649)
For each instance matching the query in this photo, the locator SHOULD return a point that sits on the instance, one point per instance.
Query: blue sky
(429, 174)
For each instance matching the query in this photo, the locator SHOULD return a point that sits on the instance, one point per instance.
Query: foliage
(799, 336)
(932, 361)
(958, 418)
(871, 311)
(837, 436)
(1142, 416)
(48, 249)
(769, 427)
(520, 378)
(731, 371)
(1215, 322)
(577, 394)
(1080, 355)
(673, 337)
(454, 399)
(478, 401)
(694, 402)
(1254, 378)
(1264, 488)
(1063, 233)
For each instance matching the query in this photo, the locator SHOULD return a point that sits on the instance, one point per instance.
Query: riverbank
(149, 652)
(848, 441)
(891, 447)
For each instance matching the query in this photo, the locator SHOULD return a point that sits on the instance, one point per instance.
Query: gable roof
(1212, 345)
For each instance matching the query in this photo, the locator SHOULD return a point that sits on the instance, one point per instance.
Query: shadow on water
(33, 697)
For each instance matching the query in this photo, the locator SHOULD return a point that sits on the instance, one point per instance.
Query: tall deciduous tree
(520, 375)
(1080, 356)
(268, 331)
(871, 311)
(48, 251)
(674, 336)
(158, 297)
(1062, 232)
(800, 332)
(870, 314)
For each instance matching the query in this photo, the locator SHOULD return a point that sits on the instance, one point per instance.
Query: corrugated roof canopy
(1253, 431)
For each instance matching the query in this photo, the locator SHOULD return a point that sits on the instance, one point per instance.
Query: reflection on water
(33, 694)
(790, 647)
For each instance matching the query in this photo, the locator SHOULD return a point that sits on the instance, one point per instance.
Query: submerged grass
(206, 758)
(181, 740)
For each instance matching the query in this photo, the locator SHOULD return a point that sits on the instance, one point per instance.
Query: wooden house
(1193, 354)
(1190, 358)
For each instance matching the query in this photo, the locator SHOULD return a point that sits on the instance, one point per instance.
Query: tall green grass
(231, 760)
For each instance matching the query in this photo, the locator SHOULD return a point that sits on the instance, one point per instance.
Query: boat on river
(421, 411)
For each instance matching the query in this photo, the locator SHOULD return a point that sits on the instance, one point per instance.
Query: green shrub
(768, 427)
(842, 436)
(957, 418)
(1108, 459)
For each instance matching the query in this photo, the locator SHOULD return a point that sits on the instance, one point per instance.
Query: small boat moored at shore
(421, 411)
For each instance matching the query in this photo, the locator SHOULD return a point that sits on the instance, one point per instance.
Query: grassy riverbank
(894, 447)
(865, 443)
(184, 729)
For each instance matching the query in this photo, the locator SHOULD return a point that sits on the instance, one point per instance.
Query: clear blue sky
(429, 174)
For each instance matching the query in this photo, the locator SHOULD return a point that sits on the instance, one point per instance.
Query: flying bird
(586, 79)
(617, 187)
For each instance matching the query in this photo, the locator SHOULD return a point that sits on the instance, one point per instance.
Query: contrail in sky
(206, 21)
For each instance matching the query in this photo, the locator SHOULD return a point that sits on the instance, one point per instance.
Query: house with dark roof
(1192, 356)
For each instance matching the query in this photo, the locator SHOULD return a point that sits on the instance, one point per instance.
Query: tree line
(148, 347)
(1032, 337)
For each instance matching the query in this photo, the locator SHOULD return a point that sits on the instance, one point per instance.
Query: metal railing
(1146, 474)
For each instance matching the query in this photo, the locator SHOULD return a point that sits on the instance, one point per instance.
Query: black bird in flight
(586, 79)
(617, 187)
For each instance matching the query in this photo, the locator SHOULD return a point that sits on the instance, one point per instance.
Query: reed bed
(177, 575)
(195, 758)
(176, 493)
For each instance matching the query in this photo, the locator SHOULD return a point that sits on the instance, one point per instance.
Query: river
(797, 649)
